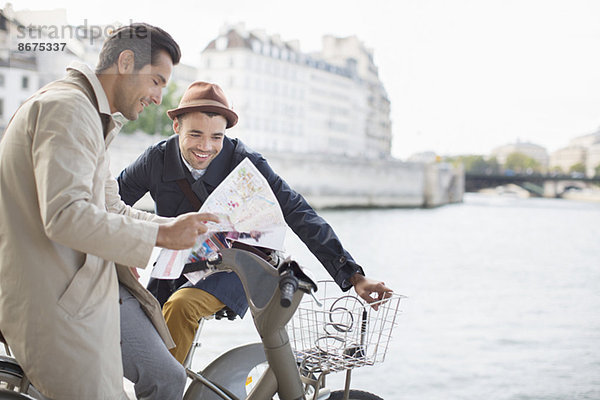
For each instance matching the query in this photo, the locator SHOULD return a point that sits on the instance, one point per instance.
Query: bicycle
(348, 335)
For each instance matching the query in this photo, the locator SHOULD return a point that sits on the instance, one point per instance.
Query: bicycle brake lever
(312, 294)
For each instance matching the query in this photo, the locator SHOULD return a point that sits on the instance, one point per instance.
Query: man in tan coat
(63, 226)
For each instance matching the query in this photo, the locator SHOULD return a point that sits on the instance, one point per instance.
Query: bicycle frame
(225, 377)
(261, 284)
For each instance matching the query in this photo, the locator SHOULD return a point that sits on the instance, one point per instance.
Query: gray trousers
(146, 360)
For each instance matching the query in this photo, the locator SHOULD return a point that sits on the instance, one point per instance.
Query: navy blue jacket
(160, 166)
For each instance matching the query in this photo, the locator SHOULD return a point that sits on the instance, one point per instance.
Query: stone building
(565, 158)
(330, 102)
(593, 159)
(19, 76)
(583, 149)
(534, 151)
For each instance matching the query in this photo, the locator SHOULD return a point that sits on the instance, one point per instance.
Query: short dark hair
(146, 42)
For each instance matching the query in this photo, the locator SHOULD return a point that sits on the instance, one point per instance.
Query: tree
(476, 164)
(154, 120)
(579, 167)
(597, 170)
(521, 162)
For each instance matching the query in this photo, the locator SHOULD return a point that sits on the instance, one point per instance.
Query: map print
(248, 212)
(246, 204)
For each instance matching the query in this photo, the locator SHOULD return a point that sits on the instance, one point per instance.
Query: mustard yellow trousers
(182, 311)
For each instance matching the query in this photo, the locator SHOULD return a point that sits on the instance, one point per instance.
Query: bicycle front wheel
(6, 394)
(354, 395)
(11, 378)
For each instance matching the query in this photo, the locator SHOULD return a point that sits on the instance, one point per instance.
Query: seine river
(503, 299)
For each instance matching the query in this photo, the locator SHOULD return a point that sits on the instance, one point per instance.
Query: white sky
(463, 76)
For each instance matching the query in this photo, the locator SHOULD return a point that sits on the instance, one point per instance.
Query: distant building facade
(24, 72)
(19, 77)
(424, 157)
(25, 65)
(532, 150)
(327, 103)
(565, 158)
(593, 160)
(583, 149)
(183, 75)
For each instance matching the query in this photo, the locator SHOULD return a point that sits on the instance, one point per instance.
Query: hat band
(203, 102)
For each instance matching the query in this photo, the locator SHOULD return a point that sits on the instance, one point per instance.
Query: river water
(503, 299)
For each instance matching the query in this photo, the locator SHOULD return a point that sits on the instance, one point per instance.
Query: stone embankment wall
(444, 184)
(334, 181)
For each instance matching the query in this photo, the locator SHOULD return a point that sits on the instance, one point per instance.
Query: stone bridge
(537, 184)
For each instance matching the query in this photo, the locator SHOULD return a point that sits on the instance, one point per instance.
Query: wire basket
(344, 333)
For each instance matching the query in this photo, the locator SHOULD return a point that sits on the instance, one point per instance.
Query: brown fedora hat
(207, 97)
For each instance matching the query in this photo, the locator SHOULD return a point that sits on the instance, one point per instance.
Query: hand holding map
(248, 212)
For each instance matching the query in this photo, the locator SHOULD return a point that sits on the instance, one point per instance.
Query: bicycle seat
(225, 312)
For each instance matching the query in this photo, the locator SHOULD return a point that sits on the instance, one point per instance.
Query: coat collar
(111, 125)
(220, 167)
(103, 105)
(174, 169)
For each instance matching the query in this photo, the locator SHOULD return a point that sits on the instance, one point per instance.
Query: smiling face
(135, 90)
(200, 137)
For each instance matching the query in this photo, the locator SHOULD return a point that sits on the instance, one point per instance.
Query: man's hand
(181, 233)
(365, 287)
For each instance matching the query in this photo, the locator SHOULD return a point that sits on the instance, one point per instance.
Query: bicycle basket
(344, 333)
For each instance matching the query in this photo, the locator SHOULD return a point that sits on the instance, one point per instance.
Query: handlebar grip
(287, 293)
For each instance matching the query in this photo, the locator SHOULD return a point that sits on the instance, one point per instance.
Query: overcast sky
(463, 76)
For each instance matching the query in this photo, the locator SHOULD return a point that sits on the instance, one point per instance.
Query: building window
(25, 82)
(1, 108)
(1, 80)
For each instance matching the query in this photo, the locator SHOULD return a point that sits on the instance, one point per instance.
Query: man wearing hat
(181, 172)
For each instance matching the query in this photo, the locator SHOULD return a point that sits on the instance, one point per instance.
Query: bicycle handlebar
(288, 284)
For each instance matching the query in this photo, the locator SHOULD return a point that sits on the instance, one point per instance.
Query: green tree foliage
(597, 170)
(476, 164)
(579, 167)
(520, 162)
(154, 119)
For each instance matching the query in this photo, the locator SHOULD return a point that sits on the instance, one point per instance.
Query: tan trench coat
(62, 229)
